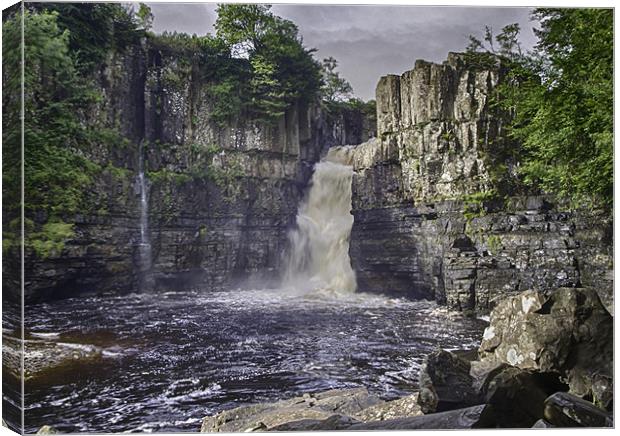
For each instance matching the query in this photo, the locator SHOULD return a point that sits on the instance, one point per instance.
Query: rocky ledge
(545, 361)
(45, 358)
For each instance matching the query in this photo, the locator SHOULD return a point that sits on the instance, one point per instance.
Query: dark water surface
(170, 359)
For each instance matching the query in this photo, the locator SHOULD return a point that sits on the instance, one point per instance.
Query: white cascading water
(145, 245)
(319, 246)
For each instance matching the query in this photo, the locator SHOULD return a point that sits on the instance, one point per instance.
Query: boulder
(445, 383)
(315, 410)
(480, 416)
(565, 410)
(517, 396)
(566, 331)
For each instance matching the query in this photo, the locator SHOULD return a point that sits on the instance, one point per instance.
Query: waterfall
(319, 246)
(145, 245)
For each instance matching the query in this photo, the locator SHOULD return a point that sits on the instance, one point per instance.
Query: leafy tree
(561, 101)
(244, 27)
(335, 88)
(55, 98)
(54, 131)
(508, 45)
(94, 29)
(145, 16)
(283, 70)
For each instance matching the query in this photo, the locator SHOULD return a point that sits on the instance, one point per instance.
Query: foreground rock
(541, 423)
(480, 416)
(403, 407)
(334, 422)
(347, 409)
(313, 408)
(517, 396)
(566, 331)
(566, 410)
(332, 410)
(445, 383)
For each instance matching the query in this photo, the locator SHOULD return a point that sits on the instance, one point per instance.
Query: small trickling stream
(145, 244)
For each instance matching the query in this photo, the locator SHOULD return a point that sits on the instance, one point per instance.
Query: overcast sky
(368, 41)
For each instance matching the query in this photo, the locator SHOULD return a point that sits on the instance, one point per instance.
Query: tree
(244, 27)
(95, 29)
(145, 17)
(564, 117)
(335, 88)
(509, 46)
(561, 101)
(283, 70)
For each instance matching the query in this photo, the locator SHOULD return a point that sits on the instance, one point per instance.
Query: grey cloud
(368, 41)
(183, 17)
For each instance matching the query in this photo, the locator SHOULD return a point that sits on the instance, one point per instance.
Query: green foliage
(167, 177)
(335, 88)
(269, 98)
(94, 29)
(484, 54)
(565, 118)
(281, 70)
(448, 136)
(474, 204)
(560, 102)
(50, 241)
(494, 244)
(209, 60)
(63, 44)
(55, 172)
(145, 16)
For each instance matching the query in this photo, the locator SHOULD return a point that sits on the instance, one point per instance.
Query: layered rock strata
(221, 197)
(438, 212)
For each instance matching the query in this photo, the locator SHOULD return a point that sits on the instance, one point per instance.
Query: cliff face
(220, 197)
(428, 222)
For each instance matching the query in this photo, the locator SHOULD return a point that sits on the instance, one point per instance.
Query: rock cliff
(221, 196)
(438, 211)
(437, 205)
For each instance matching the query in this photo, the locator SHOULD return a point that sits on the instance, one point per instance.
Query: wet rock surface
(403, 407)
(517, 396)
(41, 357)
(352, 409)
(481, 416)
(565, 410)
(541, 423)
(317, 410)
(445, 383)
(566, 331)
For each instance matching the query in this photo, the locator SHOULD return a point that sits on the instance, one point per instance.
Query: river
(170, 359)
